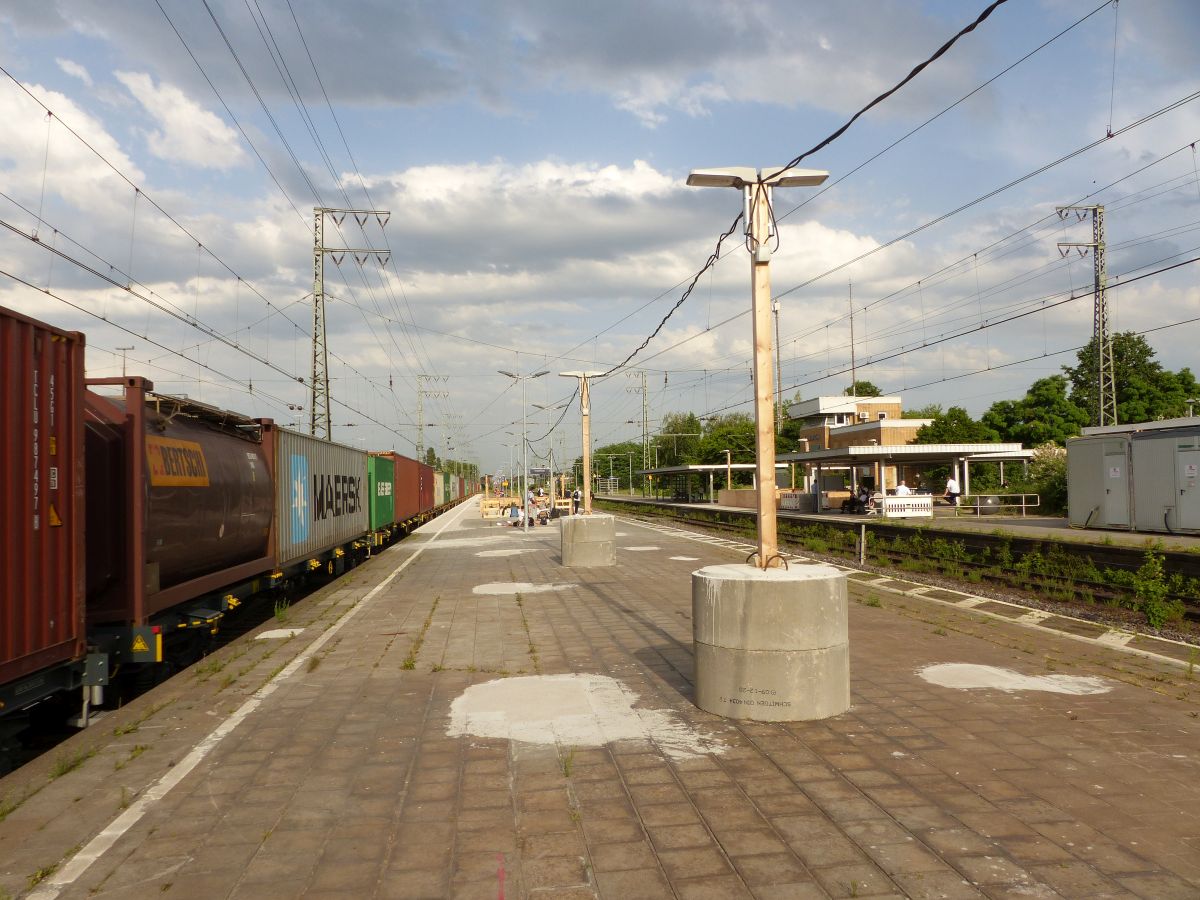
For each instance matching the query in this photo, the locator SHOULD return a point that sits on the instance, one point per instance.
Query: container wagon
(381, 491)
(320, 501)
(42, 503)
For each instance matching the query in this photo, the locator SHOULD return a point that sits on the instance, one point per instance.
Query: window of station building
(882, 416)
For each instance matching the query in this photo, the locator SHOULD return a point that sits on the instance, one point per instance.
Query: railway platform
(462, 716)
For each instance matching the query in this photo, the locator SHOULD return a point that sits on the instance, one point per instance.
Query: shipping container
(42, 523)
(180, 501)
(1166, 474)
(439, 490)
(428, 490)
(381, 487)
(408, 488)
(320, 495)
(1099, 481)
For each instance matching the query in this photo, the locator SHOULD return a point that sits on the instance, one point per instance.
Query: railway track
(1150, 584)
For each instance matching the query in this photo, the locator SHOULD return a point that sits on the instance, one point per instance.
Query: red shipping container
(408, 488)
(41, 496)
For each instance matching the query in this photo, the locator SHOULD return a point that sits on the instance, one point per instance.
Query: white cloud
(75, 70)
(188, 132)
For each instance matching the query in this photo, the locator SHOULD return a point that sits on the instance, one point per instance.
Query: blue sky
(533, 156)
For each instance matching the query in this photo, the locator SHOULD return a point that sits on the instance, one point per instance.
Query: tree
(1044, 415)
(734, 432)
(955, 426)
(431, 459)
(1145, 390)
(928, 411)
(680, 441)
(863, 389)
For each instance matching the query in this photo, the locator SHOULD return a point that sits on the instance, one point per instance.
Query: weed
(227, 681)
(574, 814)
(69, 763)
(1191, 666)
(281, 609)
(123, 803)
(872, 600)
(940, 631)
(1051, 665)
(313, 662)
(41, 875)
(568, 762)
(166, 886)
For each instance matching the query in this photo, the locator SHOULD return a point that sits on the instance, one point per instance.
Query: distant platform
(1052, 528)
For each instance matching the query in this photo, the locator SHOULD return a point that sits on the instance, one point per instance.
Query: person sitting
(514, 516)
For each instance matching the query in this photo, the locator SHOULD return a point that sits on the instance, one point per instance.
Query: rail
(996, 504)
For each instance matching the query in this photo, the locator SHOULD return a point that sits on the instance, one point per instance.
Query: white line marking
(1116, 638)
(1032, 618)
(101, 843)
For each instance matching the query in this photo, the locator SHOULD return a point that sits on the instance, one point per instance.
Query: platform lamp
(524, 440)
(551, 409)
(756, 186)
(585, 409)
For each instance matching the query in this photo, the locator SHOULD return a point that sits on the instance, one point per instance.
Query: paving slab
(348, 761)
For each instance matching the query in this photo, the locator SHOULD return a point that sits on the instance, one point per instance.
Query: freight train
(132, 522)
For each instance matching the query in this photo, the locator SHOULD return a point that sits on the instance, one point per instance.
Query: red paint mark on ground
(500, 875)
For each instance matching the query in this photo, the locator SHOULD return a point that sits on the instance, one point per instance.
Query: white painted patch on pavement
(278, 634)
(511, 552)
(500, 588)
(574, 710)
(687, 558)
(639, 549)
(968, 676)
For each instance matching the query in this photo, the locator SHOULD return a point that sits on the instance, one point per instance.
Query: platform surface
(981, 756)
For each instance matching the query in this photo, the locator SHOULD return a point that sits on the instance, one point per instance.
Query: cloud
(75, 70)
(188, 132)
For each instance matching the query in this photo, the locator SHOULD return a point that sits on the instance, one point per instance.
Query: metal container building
(320, 494)
(440, 493)
(1166, 475)
(41, 504)
(1099, 481)
(381, 487)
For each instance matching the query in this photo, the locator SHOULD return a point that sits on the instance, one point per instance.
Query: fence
(996, 504)
(914, 506)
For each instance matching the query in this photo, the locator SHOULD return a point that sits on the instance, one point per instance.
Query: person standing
(576, 496)
(903, 490)
(952, 491)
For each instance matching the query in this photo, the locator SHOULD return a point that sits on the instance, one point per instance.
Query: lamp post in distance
(757, 186)
(524, 442)
(585, 410)
(551, 409)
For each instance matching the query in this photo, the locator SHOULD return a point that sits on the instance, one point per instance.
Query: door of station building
(1116, 487)
(1187, 482)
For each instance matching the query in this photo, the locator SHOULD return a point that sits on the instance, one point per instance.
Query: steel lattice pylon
(1105, 407)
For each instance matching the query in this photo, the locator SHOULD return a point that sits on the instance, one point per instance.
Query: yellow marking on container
(140, 645)
(53, 445)
(158, 646)
(55, 521)
(175, 463)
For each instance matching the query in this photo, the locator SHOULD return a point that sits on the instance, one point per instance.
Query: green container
(381, 481)
(446, 495)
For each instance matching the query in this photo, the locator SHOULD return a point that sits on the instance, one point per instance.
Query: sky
(161, 161)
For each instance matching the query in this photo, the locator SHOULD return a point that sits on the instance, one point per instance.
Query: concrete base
(589, 541)
(771, 646)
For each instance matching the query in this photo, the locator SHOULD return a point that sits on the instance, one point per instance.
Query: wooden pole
(764, 388)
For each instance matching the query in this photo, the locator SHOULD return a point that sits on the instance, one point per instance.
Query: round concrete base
(771, 646)
(589, 541)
